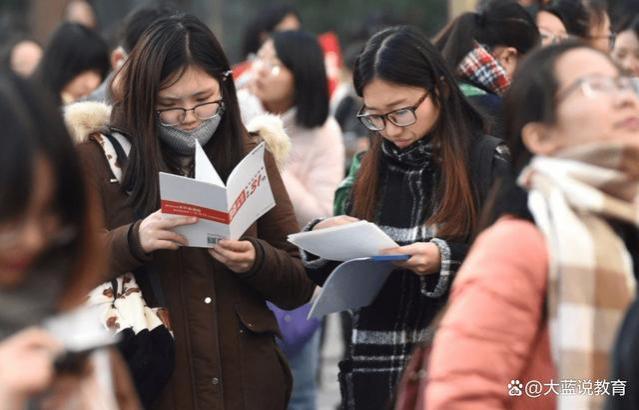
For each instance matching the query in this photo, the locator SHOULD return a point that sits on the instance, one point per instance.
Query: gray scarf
(183, 142)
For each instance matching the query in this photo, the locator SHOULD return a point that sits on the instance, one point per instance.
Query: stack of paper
(357, 281)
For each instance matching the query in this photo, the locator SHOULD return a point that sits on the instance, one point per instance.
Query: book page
(188, 197)
(204, 170)
(249, 192)
(341, 243)
(351, 285)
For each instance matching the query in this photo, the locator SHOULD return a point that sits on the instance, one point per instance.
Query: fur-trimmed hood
(88, 117)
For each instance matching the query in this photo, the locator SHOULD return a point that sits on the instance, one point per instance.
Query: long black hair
(501, 23)
(72, 50)
(301, 53)
(264, 24)
(403, 55)
(33, 130)
(166, 50)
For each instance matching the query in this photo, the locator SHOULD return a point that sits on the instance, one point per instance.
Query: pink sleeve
(313, 196)
(494, 313)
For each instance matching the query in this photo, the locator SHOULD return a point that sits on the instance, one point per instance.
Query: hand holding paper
(238, 256)
(223, 211)
(425, 258)
(156, 233)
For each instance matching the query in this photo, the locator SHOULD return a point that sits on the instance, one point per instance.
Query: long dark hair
(573, 14)
(72, 49)
(301, 53)
(532, 97)
(166, 50)
(263, 24)
(33, 130)
(502, 23)
(402, 55)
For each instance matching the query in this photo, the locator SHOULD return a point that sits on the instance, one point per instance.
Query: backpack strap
(117, 148)
(482, 156)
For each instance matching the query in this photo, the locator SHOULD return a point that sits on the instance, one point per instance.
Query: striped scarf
(573, 197)
(480, 67)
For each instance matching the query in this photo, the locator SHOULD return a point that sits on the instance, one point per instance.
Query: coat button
(215, 380)
(208, 300)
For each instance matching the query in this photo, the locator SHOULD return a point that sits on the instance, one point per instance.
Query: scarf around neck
(573, 197)
(479, 66)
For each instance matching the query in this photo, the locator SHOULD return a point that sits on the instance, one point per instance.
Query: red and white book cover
(225, 211)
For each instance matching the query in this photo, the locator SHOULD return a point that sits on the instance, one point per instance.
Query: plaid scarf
(572, 197)
(480, 67)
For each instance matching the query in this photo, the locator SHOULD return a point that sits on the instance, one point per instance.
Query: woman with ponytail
(483, 49)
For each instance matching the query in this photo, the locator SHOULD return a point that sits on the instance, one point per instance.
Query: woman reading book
(422, 182)
(175, 89)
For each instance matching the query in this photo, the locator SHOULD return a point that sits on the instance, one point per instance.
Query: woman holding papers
(542, 295)
(50, 258)
(176, 89)
(422, 182)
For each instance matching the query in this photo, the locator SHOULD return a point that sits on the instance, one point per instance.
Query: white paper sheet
(345, 242)
(351, 285)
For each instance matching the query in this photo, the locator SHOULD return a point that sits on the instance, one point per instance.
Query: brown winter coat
(226, 356)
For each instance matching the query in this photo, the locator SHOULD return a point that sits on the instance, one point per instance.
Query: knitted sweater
(385, 332)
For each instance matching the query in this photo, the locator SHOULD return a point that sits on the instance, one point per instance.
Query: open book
(225, 211)
(356, 282)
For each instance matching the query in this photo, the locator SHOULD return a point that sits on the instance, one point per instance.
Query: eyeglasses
(49, 225)
(402, 117)
(204, 111)
(595, 86)
(548, 37)
(612, 37)
(273, 68)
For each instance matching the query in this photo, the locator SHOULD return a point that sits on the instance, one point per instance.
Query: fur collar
(89, 117)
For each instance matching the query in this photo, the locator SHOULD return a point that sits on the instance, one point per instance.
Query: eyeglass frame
(580, 82)
(612, 39)
(274, 70)
(386, 117)
(219, 111)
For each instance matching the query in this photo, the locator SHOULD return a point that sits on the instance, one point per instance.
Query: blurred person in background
(626, 49)
(50, 258)
(138, 20)
(483, 49)
(551, 17)
(81, 12)
(175, 89)
(75, 62)
(269, 19)
(599, 35)
(21, 55)
(289, 79)
(422, 182)
(542, 294)
(345, 104)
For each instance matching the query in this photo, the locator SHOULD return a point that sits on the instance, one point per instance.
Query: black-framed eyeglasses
(402, 117)
(593, 86)
(204, 111)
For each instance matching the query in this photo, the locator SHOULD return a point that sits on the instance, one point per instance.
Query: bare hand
(335, 221)
(26, 364)
(156, 233)
(238, 256)
(425, 257)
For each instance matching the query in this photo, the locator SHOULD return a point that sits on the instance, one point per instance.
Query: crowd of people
(501, 155)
